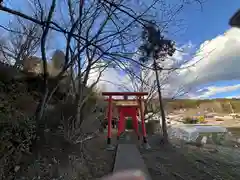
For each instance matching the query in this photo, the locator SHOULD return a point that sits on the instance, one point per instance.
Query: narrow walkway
(128, 157)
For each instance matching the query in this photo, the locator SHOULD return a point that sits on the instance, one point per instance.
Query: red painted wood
(121, 122)
(124, 93)
(110, 117)
(125, 111)
(107, 99)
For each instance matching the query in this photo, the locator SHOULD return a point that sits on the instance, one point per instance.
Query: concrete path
(128, 157)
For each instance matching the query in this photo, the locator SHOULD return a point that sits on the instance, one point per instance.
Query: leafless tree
(93, 32)
(21, 41)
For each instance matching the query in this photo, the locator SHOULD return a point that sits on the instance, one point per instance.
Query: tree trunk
(164, 126)
(79, 98)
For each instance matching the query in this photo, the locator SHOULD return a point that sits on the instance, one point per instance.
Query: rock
(213, 150)
(16, 169)
(58, 59)
(204, 140)
(46, 130)
(238, 140)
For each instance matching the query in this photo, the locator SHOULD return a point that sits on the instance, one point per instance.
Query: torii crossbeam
(126, 107)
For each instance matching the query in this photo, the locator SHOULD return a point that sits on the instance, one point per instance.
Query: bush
(189, 120)
(16, 137)
(201, 119)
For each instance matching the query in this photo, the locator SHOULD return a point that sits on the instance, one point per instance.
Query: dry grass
(190, 163)
(58, 159)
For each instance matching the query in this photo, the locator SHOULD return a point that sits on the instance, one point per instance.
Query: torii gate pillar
(126, 110)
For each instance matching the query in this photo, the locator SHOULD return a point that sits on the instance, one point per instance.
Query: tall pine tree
(156, 47)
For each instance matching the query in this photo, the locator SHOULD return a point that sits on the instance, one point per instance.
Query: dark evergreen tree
(156, 47)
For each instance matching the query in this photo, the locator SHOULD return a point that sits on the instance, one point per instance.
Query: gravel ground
(171, 162)
(178, 162)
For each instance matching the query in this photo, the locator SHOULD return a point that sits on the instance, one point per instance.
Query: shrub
(16, 137)
(189, 120)
(201, 119)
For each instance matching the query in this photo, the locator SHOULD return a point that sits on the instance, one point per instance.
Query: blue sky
(201, 25)
(206, 24)
(209, 22)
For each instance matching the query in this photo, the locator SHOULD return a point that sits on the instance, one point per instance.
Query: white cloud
(212, 90)
(217, 59)
(232, 97)
(110, 80)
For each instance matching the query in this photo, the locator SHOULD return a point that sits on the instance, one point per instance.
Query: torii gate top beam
(124, 93)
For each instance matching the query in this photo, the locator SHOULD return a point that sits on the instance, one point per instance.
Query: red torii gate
(126, 110)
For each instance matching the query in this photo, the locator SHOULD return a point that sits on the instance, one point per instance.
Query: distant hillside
(211, 105)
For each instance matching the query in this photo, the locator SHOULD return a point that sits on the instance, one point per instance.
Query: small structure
(126, 108)
(196, 133)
